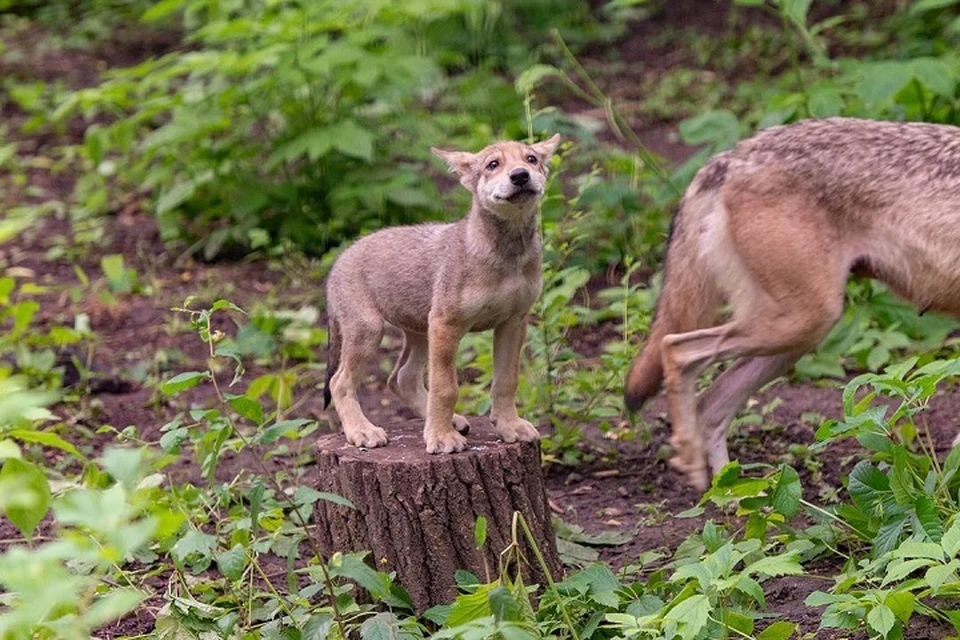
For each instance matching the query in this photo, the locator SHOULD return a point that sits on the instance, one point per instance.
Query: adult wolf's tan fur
(437, 282)
(774, 227)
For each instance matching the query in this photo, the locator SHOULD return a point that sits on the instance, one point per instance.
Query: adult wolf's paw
(444, 441)
(511, 430)
(368, 436)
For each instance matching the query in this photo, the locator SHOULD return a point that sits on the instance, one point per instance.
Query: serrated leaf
(317, 627)
(183, 381)
(773, 566)
(47, 439)
(951, 539)
(929, 518)
(690, 616)
(504, 605)
(719, 127)
(309, 495)
(881, 619)
(902, 604)
(471, 606)
(881, 81)
(937, 576)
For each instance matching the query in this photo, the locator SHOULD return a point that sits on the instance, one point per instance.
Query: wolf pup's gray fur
(774, 227)
(437, 282)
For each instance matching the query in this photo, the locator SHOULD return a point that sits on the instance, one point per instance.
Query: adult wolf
(773, 228)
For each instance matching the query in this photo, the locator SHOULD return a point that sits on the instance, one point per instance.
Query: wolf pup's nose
(519, 177)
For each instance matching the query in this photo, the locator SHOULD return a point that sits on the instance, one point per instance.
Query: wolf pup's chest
(490, 303)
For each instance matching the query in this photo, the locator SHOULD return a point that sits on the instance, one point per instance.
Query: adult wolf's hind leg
(726, 396)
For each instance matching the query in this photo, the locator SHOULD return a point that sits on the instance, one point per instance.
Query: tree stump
(416, 512)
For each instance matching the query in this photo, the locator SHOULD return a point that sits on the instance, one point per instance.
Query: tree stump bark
(416, 512)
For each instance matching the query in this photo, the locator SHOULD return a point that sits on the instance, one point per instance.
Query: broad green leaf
(504, 605)
(195, 548)
(773, 566)
(881, 81)
(900, 570)
(778, 631)
(867, 485)
(309, 495)
(317, 627)
(935, 74)
(690, 616)
(47, 439)
(913, 549)
(233, 562)
(384, 626)
(115, 604)
(354, 141)
(881, 619)
(719, 127)
(929, 517)
(183, 381)
(797, 10)
(937, 576)
(787, 494)
(274, 432)
(471, 606)
(24, 494)
(247, 408)
(825, 103)
(951, 539)
(902, 604)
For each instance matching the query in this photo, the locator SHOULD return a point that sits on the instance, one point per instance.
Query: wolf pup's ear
(547, 147)
(460, 163)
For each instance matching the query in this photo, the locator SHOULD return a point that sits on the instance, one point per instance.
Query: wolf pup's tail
(688, 301)
(333, 358)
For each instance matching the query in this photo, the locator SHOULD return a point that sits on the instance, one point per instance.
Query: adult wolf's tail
(688, 301)
(333, 357)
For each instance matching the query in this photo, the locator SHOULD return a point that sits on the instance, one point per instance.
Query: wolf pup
(773, 228)
(436, 282)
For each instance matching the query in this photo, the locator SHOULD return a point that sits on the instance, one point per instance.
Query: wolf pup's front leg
(438, 433)
(507, 342)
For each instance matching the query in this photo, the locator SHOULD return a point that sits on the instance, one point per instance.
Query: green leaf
(778, 631)
(317, 627)
(797, 10)
(195, 548)
(929, 518)
(940, 574)
(929, 5)
(24, 494)
(867, 484)
(384, 626)
(786, 496)
(718, 127)
(119, 278)
(247, 408)
(309, 495)
(902, 604)
(935, 74)
(881, 619)
(47, 439)
(183, 381)
(480, 531)
(825, 103)
(471, 606)
(951, 539)
(113, 605)
(277, 430)
(504, 605)
(690, 616)
(233, 562)
(913, 549)
(881, 81)
(353, 140)
(773, 566)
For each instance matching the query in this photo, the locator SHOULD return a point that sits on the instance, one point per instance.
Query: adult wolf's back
(774, 227)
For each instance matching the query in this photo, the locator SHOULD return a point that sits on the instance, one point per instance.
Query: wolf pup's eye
(493, 165)
(532, 159)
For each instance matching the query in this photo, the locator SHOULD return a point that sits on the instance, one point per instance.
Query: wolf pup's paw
(368, 437)
(444, 441)
(516, 429)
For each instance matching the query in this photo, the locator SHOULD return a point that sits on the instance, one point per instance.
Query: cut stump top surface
(406, 445)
